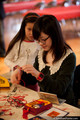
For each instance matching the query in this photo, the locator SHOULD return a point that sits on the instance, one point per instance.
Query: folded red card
(37, 106)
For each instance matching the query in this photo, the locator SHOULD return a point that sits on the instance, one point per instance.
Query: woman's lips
(44, 47)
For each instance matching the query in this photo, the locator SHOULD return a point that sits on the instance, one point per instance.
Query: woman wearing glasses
(55, 64)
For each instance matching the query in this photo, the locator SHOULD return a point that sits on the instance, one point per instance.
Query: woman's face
(28, 32)
(45, 41)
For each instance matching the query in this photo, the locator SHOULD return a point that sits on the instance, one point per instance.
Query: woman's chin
(45, 49)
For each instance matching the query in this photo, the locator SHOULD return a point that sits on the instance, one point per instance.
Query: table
(17, 6)
(60, 12)
(24, 5)
(14, 112)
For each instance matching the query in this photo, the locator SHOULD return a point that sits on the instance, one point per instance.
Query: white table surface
(28, 95)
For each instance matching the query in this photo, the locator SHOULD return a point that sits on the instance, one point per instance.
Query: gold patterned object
(37, 106)
(4, 82)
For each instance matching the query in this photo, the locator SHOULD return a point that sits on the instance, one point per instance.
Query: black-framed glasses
(43, 41)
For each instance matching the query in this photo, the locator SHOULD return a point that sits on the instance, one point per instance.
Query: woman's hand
(30, 69)
(16, 76)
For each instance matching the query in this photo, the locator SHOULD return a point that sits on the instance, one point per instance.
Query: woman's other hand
(30, 69)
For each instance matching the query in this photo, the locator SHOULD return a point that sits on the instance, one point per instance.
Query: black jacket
(2, 11)
(60, 82)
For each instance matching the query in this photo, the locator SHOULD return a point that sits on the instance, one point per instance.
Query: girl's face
(45, 41)
(28, 32)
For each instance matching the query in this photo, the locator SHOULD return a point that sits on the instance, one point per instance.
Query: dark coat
(60, 82)
(2, 11)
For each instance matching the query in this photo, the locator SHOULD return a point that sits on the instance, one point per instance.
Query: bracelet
(17, 66)
(41, 76)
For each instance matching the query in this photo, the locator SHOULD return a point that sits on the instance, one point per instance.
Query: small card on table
(53, 113)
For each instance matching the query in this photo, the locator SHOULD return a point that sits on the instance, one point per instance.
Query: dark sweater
(59, 82)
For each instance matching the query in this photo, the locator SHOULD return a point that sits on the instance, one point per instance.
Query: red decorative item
(25, 112)
(36, 107)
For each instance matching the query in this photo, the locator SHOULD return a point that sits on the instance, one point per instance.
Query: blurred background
(66, 11)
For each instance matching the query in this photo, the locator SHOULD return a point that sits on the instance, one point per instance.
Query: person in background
(2, 16)
(55, 64)
(23, 48)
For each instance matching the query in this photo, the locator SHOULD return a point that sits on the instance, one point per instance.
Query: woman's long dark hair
(29, 18)
(49, 25)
